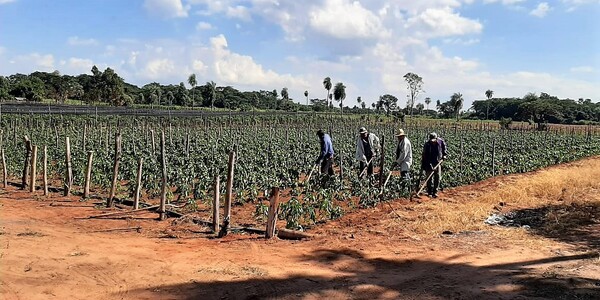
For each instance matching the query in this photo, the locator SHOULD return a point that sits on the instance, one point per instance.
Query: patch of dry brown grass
(576, 183)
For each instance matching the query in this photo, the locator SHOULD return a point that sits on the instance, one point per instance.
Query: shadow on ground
(577, 224)
(359, 277)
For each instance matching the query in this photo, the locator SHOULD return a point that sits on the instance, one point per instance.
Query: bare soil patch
(437, 249)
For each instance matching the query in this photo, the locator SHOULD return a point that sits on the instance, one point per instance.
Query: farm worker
(326, 155)
(367, 147)
(434, 151)
(403, 154)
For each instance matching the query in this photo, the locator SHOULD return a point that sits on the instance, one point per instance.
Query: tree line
(108, 88)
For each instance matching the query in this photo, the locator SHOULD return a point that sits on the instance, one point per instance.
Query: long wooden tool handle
(366, 167)
(310, 174)
(429, 177)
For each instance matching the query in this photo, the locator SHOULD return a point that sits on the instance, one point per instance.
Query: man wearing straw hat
(403, 154)
(367, 148)
(434, 152)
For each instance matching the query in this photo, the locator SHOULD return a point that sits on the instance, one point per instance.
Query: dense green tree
(388, 103)
(192, 82)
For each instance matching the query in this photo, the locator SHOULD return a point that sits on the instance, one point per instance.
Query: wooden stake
(153, 143)
(69, 170)
(272, 217)
(26, 164)
(382, 163)
(88, 175)
(113, 189)
(163, 195)
(4, 172)
(45, 171)
(138, 185)
(216, 205)
(33, 169)
(228, 194)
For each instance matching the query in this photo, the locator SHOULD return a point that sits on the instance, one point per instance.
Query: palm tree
(327, 85)
(427, 102)
(339, 93)
(306, 95)
(192, 81)
(489, 94)
(359, 100)
(457, 103)
(212, 93)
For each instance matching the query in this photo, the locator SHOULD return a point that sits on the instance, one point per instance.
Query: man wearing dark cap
(326, 155)
(367, 147)
(434, 152)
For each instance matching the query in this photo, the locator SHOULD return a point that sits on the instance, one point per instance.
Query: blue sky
(509, 46)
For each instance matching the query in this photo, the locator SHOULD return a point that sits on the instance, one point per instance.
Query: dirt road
(46, 253)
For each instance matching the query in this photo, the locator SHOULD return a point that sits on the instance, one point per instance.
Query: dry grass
(576, 183)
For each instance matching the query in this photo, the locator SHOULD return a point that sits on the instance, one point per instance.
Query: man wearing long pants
(434, 151)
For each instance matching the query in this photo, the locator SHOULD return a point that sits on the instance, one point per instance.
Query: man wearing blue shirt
(326, 155)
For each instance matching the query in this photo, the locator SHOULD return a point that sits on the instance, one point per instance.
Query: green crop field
(274, 151)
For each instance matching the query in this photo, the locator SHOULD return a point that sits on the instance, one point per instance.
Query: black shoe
(434, 195)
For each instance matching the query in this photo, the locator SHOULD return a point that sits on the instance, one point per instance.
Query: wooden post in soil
(272, 216)
(138, 185)
(84, 137)
(88, 175)
(228, 193)
(162, 210)
(215, 208)
(382, 163)
(113, 188)
(69, 170)
(33, 169)
(45, 171)
(26, 164)
(493, 157)
(4, 172)
(153, 143)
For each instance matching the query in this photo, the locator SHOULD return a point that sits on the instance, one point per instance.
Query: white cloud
(541, 10)
(79, 65)
(435, 22)
(37, 61)
(582, 69)
(505, 2)
(158, 68)
(76, 41)
(6, 1)
(234, 68)
(574, 4)
(346, 20)
(203, 26)
(166, 8)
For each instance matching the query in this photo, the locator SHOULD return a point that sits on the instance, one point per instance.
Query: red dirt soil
(46, 253)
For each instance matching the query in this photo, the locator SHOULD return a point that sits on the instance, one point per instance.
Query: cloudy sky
(509, 46)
